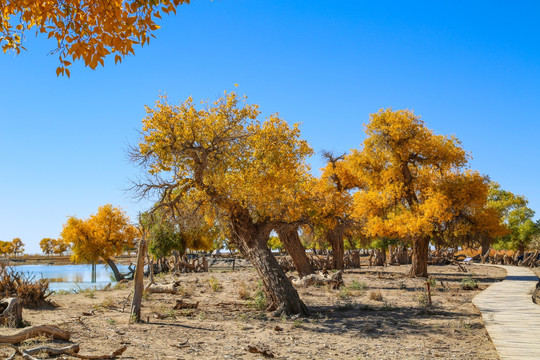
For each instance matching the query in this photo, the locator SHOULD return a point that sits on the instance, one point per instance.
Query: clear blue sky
(468, 68)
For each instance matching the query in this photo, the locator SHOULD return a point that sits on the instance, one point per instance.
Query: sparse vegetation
(259, 299)
(243, 291)
(214, 284)
(376, 295)
(355, 285)
(344, 293)
(469, 283)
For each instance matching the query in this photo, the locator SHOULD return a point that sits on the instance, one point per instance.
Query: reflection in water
(71, 277)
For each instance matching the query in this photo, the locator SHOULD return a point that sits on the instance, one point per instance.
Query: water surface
(71, 277)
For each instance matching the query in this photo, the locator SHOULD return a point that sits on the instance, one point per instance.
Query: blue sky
(471, 69)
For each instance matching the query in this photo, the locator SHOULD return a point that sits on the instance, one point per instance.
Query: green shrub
(468, 283)
(214, 284)
(355, 285)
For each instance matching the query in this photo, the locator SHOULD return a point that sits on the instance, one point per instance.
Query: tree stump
(11, 312)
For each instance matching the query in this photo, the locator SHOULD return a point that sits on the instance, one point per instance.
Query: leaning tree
(248, 169)
(103, 235)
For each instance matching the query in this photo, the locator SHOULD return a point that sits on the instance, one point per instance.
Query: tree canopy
(87, 30)
(402, 167)
(102, 236)
(516, 216)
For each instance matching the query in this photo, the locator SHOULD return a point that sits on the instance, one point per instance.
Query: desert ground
(381, 313)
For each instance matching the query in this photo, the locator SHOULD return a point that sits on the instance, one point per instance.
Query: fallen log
(34, 331)
(256, 350)
(67, 350)
(334, 280)
(163, 288)
(27, 353)
(180, 305)
(112, 355)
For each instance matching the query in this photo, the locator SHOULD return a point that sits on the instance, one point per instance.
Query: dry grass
(352, 326)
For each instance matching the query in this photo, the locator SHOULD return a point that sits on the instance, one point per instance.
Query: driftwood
(163, 288)
(67, 350)
(180, 304)
(334, 280)
(531, 259)
(34, 331)
(112, 355)
(460, 267)
(33, 293)
(195, 265)
(12, 312)
(264, 352)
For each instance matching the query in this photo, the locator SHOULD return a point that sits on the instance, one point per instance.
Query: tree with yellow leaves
(18, 246)
(249, 170)
(6, 248)
(332, 205)
(87, 30)
(47, 246)
(472, 221)
(401, 166)
(101, 236)
(60, 246)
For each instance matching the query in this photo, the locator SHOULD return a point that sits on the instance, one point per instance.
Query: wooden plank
(511, 318)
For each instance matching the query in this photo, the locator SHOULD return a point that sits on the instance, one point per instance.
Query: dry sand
(381, 314)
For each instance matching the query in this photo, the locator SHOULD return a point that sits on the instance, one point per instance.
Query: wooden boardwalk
(511, 318)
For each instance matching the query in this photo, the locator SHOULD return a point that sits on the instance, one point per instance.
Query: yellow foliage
(87, 30)
(405, 171)
(221, 152)
(103, 235)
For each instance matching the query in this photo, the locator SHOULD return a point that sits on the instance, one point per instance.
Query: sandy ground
(380, 314)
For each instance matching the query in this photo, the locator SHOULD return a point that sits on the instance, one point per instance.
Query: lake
(71, 277)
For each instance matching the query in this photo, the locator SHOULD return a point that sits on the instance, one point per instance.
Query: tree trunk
(485, 248)
(139, 284)
(288, 234)
(251, 239)
(335, 239)
(11, 314)
(117, 275)
(420, 257)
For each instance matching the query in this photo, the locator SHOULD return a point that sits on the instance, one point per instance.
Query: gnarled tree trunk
(420, 257)
(288, 234)
(335, 239)
(117, 275)
(251, 239)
